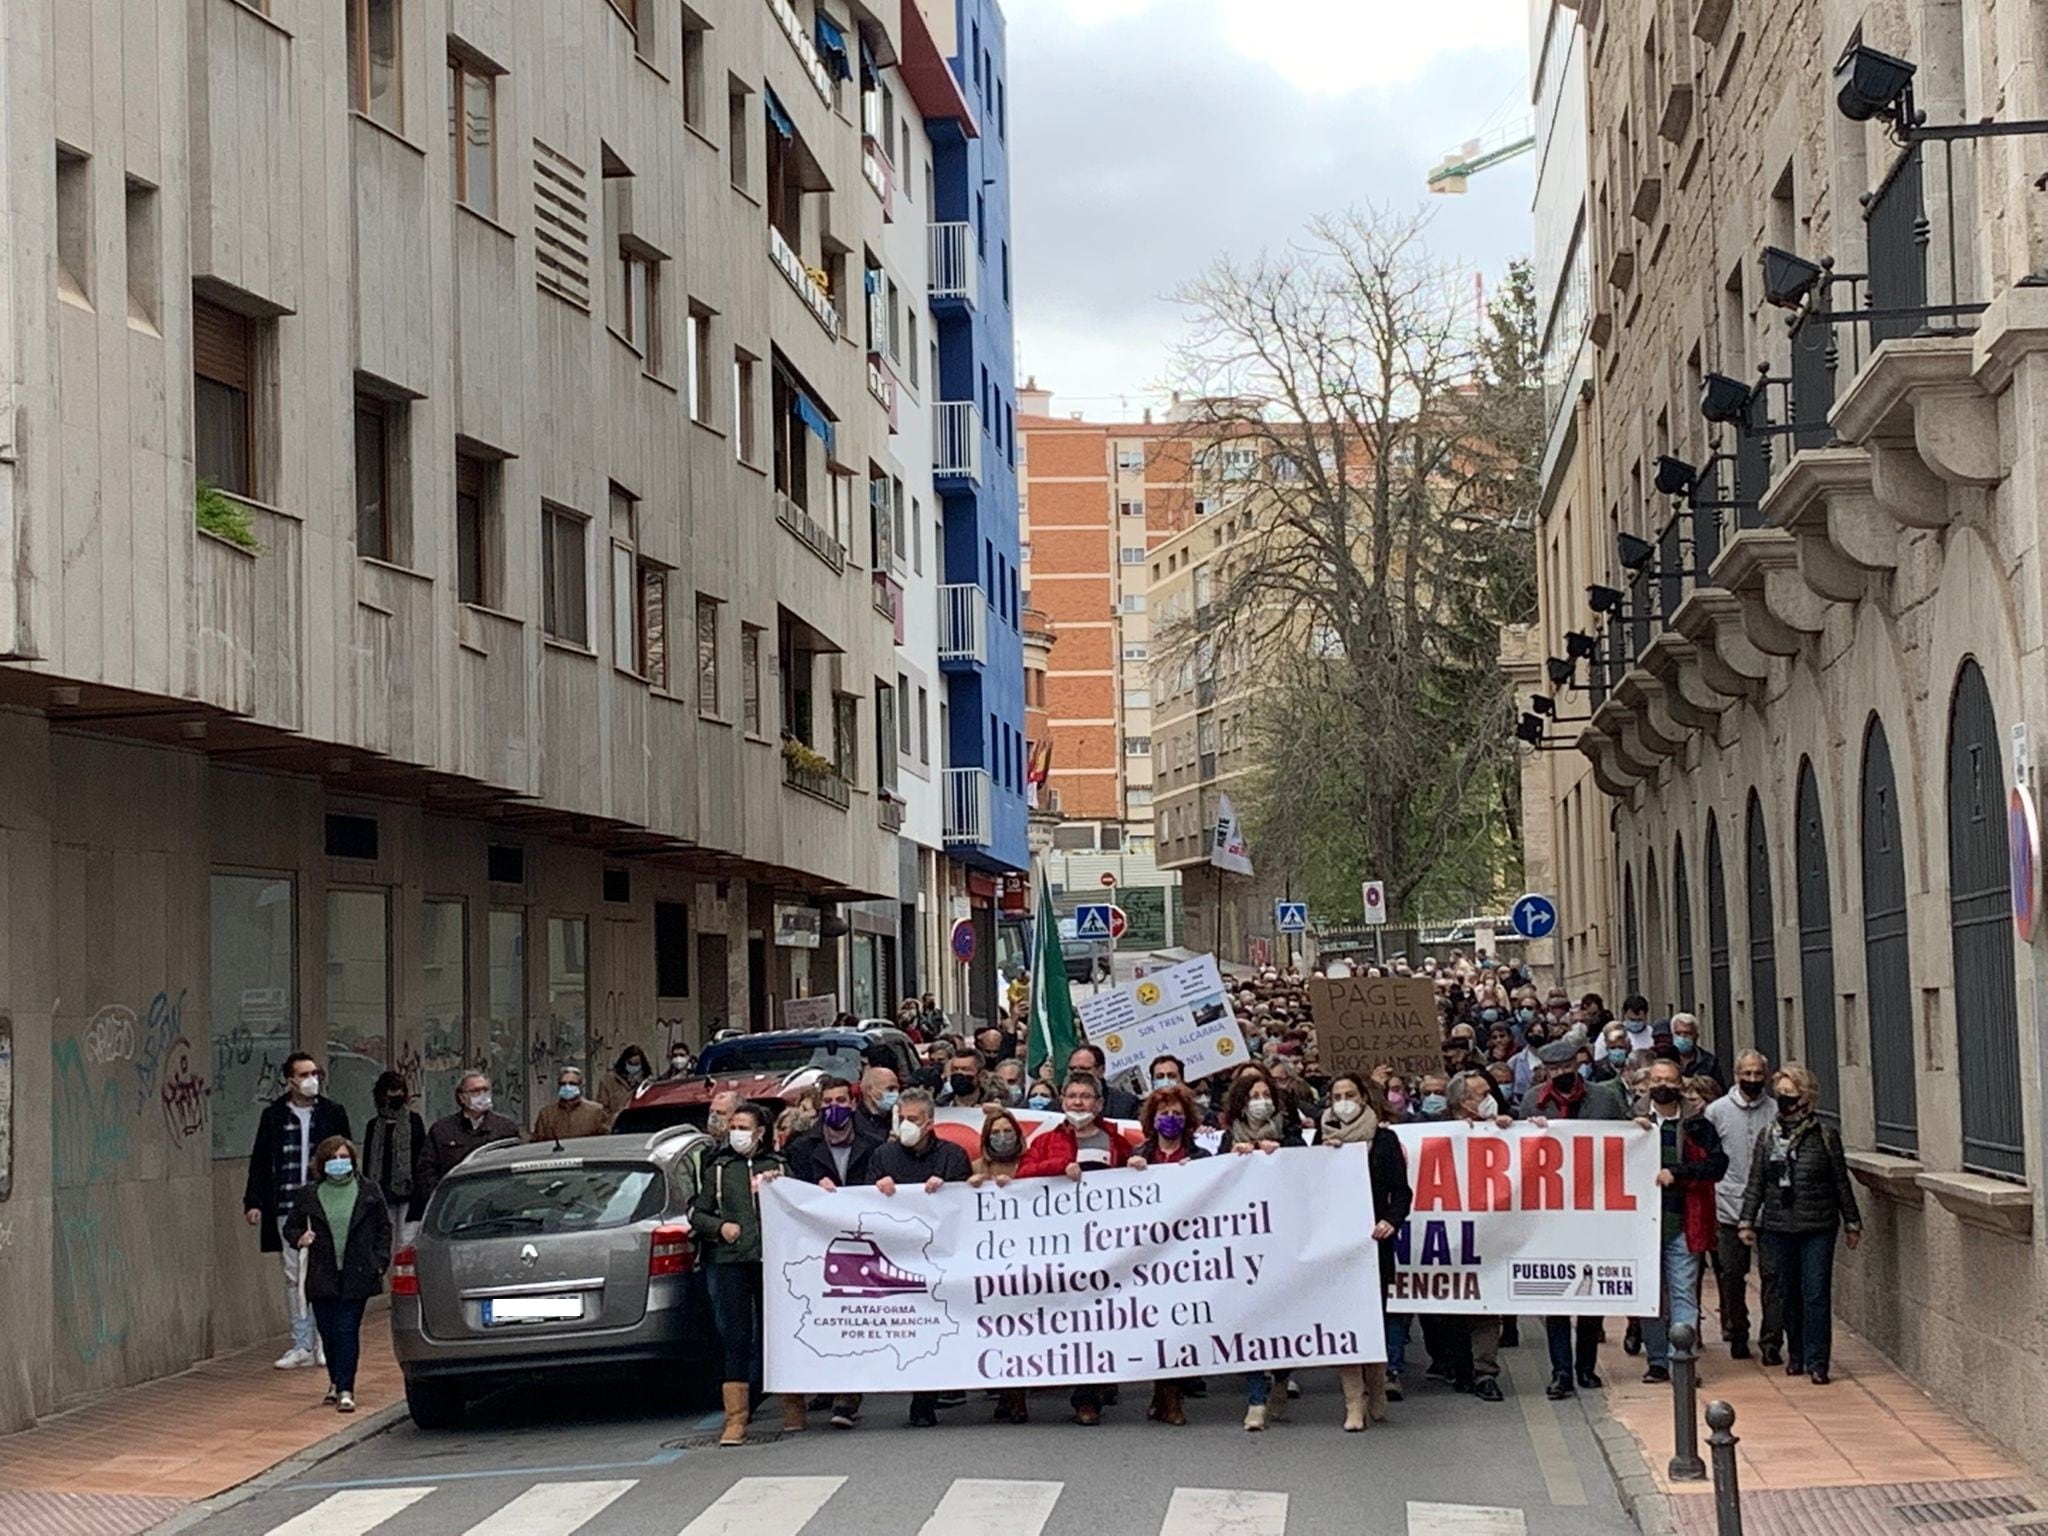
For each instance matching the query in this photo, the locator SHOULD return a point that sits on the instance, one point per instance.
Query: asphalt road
(548, 1464)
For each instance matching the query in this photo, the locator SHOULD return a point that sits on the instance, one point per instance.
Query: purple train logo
(856, 1266)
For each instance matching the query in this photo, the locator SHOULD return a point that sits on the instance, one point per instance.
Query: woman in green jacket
(344, 1226)
(726, 1216)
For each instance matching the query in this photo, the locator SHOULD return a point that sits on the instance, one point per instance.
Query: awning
(807, 411)
(832, 44)
(777, 118)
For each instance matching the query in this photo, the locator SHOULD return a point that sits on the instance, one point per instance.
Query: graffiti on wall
(162, 1024)
(109, 1035)
(90, 1143)
(185, 1094)
(6, 1107)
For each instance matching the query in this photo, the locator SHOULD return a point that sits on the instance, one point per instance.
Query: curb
(284, 1471)
(1647, 1504)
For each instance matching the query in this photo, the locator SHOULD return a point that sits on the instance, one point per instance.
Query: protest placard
(1222, 1266)
(1530, 1222)
(810, 1012)
(1362, 1021)
(1181, 1011)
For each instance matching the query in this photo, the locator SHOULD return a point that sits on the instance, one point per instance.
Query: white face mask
(741, 1141)
(1260, 1109)
(679, 1063)
(479, 1103)
(1346, 1110)
(910, 1133)
(1077, 1118)
(1487, 1107)
(308, 1085)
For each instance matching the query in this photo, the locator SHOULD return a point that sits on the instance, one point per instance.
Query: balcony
(888, 601)
(968, 818)
(955, 265)
(963, 626)
(808, 773)
(810, 533)
(806, 46)
(807, 285)
(956, 441)
(882, 386)
(888, 812)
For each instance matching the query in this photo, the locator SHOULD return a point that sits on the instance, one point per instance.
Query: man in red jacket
(1080, 1142)
(1690, 1163)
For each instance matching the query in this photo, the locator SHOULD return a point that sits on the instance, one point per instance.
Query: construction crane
(1476, 155)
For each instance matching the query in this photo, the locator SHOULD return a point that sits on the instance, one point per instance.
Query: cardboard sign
(1362, 1021)
(810, 1012)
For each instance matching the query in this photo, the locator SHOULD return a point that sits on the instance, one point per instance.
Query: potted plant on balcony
(804, 758)
(225, 518)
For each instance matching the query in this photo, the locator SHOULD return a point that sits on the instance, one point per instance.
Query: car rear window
(520, 1201)
(776, 1056)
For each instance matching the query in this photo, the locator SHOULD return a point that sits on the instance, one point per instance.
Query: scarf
(1783, 1144)
(1334, 1132)
(338, 1200)
(390, 1137)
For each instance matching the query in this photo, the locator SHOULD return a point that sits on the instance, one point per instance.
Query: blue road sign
(1093, 921)
(1290, 916)
(1535, 916)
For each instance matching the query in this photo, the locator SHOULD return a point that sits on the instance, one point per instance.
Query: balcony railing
(955, 265)
(807, 287)
(956, 440)
(812, 534)
(820, 784)
(806, 48)
(888, 600)
(963, 623)
(888, 813)
(967, 806)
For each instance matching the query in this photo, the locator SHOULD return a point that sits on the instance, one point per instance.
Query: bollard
(1727, 1487)
(1686, 1465)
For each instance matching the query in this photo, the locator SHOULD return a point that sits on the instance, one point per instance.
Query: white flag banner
(1563, 1220)
(1229, 850)
(1228, 1264)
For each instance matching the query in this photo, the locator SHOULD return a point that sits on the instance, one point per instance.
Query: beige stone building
(512, 686)
(1820, 644)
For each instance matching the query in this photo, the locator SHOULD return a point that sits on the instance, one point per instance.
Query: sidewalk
(1868, 1455)
(130, 1460)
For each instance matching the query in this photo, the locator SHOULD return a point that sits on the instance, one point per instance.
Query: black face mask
(962, 1084)
(394, 1101)
(1664, 1093)
(1751, 1088)
(1788, 1103)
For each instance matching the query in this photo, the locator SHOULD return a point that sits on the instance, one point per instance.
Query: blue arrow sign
(1092, 922)
(1535, 916)
(1290, 916)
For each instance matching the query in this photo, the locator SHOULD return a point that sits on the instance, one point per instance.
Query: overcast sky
(1150, 136)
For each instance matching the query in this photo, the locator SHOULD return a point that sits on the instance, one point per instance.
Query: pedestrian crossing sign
(1092, 921)
(1290, 916)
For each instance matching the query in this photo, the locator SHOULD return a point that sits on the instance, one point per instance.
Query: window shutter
(220, 345)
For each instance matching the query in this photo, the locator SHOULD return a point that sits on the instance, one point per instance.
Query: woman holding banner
(726, 1217)
(1351, 1121)
(1168, 1120)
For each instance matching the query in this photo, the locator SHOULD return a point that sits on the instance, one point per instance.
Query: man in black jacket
(919, 1155)
(838, 1152)
(453, 1137)
(1117, 1103)
(280, 1165)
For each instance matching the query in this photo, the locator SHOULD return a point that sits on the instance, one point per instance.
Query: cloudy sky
(1150, 136)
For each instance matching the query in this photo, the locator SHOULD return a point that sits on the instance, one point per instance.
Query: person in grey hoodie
(1741, 1115)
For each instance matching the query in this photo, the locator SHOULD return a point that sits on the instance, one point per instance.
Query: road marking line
(765, 1506)
(1546, 1437)
(1226, 1512)
(1464, 1520)
(975, 1505)
(353, 1513)
(553, 1509)
(660, 1458)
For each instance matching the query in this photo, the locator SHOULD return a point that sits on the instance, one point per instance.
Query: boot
(1276, 1405)
(1352, 1379)
(1255, 1417)
(793, 1420)
(1014, 1407)
(1170, 1411)
(735, 1414)
(1376, 1393)
(1156, 1409)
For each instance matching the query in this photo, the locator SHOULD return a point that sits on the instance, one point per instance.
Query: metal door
(1980, 927)
(1887, 959)
(1630, 942)
(1763, 940)
(1720, 992)
(1816, 946)
(1681, 928)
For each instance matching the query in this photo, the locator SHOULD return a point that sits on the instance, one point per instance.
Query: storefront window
(568, 1000)
(505, 1053)
(253, 1011)
(444, 942)
(358, 998)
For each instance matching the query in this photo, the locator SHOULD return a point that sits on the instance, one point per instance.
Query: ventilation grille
(561, 215)
(1951, 1511)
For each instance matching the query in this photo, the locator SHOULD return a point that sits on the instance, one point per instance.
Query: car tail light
(405, 1275)
(670, 1254)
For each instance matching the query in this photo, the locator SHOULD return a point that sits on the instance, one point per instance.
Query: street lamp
(1789, 277)
(1559, 671)
(1725, 401)
(1543, 705)
(1634, 553)
(1605, 599)
(1675, 477)
(1579, 645)
(1870, 84)
(1529, 729)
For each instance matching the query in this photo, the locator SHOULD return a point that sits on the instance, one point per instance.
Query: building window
(1135, 652)
(565, 593)
(633, 302)
(380, 455)
(750, 678)
(1131, 508)
(223, 368)
(694, 82)
(358, 993)
(1132, 555)
(254, 986)
(375, 81)
(74, 226)
(473, 132)
(1130, 461)
(736, 120)
(707, 657)
(639, 598)
(477, 545)
(697, 344)
(744, 446)
(912, 349)
(1137, 746)
(886, 740)
(145, 266)
(1137, 698)
(924, 725)
(1132, 602)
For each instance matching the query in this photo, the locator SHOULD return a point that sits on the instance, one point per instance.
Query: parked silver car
(532, 1258)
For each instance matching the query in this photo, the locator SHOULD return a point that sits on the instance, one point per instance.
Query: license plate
(531, 1309)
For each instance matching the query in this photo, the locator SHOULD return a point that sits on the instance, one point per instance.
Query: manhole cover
(1949, 1511)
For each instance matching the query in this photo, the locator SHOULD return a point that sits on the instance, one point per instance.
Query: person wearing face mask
(341, 1228)
(1694, 1059)
(394, 1153)
(726, 1217)
(1002, 1148)
(681, 1064)
(1167, 1118)
(1431, 1101)
(1690, 1163)
(916, 1157)
(453, 1137)
(1117, 1103)
(1741, 1116)
(281, 1165)
(839, 1151)
(1798, 1196)
(1009, 1081)
(1349, 1121)
(624, 1080)
(1465, 1350)
(571, 1115)
(967, 1085)
(876, 1111)
(1612, 1060)
(1253, 1117)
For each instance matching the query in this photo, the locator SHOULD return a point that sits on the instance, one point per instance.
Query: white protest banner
(810, 1012)
(1558, 1221)
(1229, 1264)
(1179, 1011)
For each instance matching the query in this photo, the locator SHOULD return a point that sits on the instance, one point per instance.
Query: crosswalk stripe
(1226, 1512)
(351, 1513)
(552, 1509)
(975, 1506)
(1464, 1520)
(765, 1506)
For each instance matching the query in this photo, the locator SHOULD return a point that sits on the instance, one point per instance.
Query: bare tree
(1384, 442)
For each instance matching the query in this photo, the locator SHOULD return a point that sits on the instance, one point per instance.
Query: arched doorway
(1720, 989)
(1656, 983)
(1887, 958)
(1763, 940)
(1980, 931)
(1681, 927)
(1816, 945)
(1631, 940)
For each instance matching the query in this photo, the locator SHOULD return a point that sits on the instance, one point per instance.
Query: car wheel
(433, 1404)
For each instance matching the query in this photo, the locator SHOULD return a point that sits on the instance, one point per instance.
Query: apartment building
(439, 626)
(1813, 510)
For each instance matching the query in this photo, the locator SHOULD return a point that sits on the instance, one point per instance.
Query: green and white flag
(1053, 1033)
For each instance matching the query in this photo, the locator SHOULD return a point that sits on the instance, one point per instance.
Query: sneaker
(346, 1403)
(1487, 1390)
(320, 1355)
(1394, 1394)
(1632, 1339)
(1656, 1375)
(333, 1395)
(1255, 1417)
(1293, 1387)
(293, 1359)
(1560, 1388)
(952, 1399)
(842, 1418)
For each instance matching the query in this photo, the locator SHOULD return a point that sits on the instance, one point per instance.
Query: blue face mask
(1526, 1015)
(1433, 1103)
(1586, 1070)
(1682, 1044)
(339, 1168)
(1490, 1015)
(1041, 1101)
(1616, 1055)
(568, 1093)
(889, 1098)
